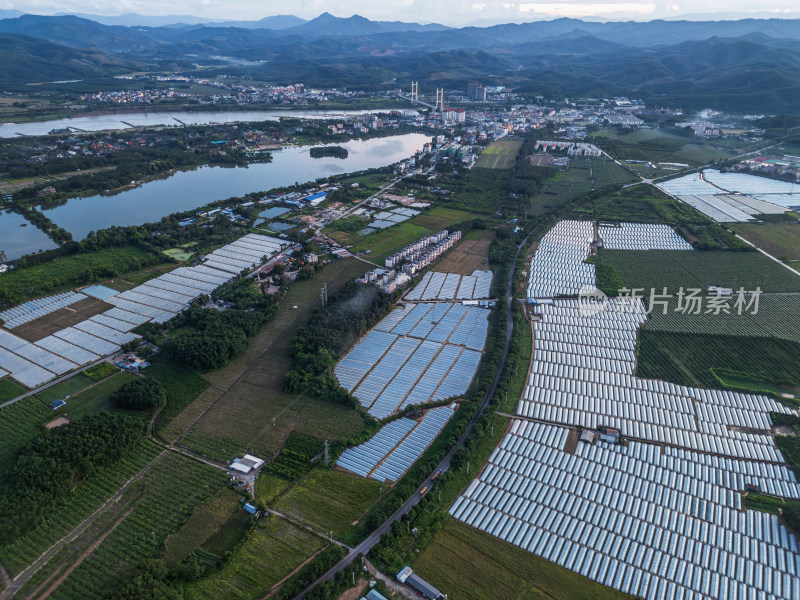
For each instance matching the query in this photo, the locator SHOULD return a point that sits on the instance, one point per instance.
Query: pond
(19, 237)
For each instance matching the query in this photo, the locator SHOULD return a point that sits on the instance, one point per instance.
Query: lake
(151, 119)
(17, 241)
(187, 190)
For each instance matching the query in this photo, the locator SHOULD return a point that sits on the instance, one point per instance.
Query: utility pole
(327, 458)
(323, 295)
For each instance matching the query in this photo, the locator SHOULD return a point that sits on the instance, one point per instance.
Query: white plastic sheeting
(641, 236)
(416, 354)
(33, 309)
(452, 286)
(396, 446)
(649, 523)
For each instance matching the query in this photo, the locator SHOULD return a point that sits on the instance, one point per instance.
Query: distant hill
(28, 60)
(750, 65)
(80, 33)
(328, 25)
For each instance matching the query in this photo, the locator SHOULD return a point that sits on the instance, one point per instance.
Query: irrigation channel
(367, 544)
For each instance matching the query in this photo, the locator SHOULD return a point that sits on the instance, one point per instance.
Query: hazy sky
(451, 12)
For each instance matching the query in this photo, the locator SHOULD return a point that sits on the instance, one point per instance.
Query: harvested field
(57, 422)
(781, 240)
(470, 255)
(58, 320)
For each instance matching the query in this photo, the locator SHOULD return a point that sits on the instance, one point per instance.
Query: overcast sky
(449, 12)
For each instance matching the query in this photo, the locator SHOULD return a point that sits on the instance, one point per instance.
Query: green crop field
(577, 180)
(272, 551)
(164, 498)
(781, 240)
(693, 269)
(776, 318)
(441, 217)
(501, 154)
(688, 359)
(657, 145)
(468, 564)
(245, 409)
(79, 504)
(9, 390)
(66, 388)
(329, 500)
(18, 424)
(386, 241)
(203, 523)
(96, 398)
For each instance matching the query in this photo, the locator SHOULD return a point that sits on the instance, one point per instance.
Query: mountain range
(747, 64)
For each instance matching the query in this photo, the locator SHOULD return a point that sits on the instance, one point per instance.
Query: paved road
(366, 545)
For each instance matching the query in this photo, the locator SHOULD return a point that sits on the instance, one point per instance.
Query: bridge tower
(414, 91)
(440, 99)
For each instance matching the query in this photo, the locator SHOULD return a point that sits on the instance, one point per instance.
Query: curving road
(367, 544)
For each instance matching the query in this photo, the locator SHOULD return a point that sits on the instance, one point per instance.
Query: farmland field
(18, 424)
(468, 564)
(272, 551)
(245, 409)
(688, 359)
(776, 318)
(469, 255)
(35, 330)
(65, 388)
(203, 523)
(9, 390)
(441, 217)
(657, 145)
(96, 398)
(79, 504)
(577, 180)
(329, 500)
(699, 269)
(499, 155)
(165, 496)
(389, 240)
(781, 240)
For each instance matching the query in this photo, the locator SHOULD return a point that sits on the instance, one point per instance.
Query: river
(187, 190)
(150, 119)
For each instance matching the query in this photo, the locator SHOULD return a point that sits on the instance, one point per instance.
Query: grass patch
(9, 390)
(467, 564)
(501, 154)
(781, 240)
(762, 502)
(271, 552)
(101, 371)
(330, 500)
(97, 398)
(179, 254)
(441, 217)
(386, 241)
(65, 388)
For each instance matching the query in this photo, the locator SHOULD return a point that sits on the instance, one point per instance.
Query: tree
(142, 393)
